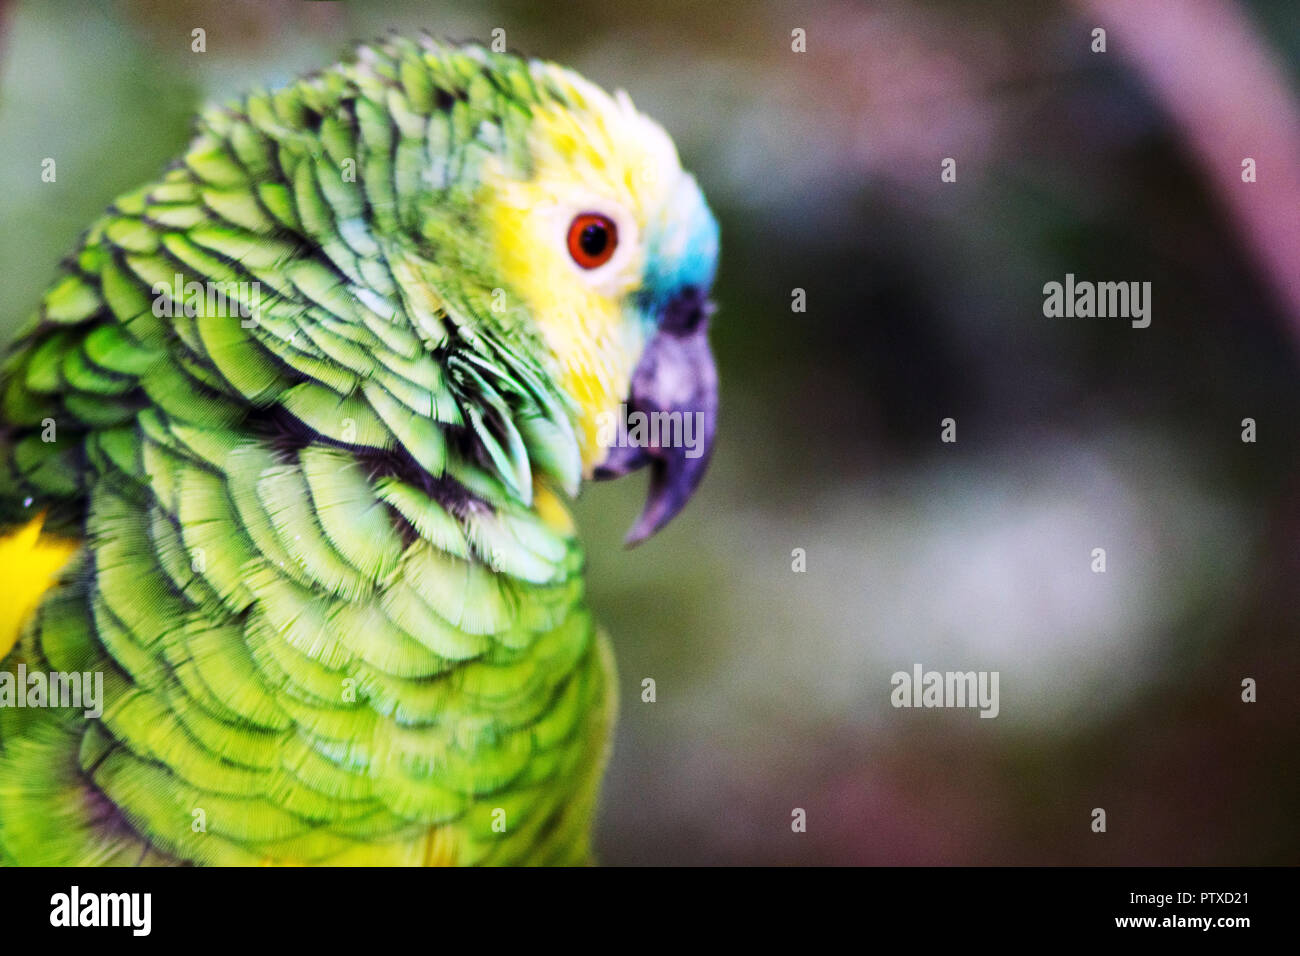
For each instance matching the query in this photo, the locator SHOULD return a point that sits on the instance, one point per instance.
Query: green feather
(325, 611)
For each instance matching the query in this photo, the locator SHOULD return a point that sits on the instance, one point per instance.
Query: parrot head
(608, 249)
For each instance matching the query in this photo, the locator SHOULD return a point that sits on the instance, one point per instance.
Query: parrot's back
(257, 478)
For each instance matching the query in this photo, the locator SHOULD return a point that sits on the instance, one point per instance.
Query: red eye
(592, 239)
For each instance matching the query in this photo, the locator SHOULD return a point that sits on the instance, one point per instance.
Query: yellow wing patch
(29, 564)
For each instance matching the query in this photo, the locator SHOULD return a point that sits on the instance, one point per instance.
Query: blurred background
(924, 299)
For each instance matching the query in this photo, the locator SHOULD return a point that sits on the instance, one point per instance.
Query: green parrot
(282, 458)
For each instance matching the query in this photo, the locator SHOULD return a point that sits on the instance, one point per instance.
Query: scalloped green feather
(327, 616)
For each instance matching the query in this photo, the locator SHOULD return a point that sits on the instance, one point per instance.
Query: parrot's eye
(592, 239)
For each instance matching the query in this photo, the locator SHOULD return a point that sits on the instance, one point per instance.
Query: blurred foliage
(925, 301)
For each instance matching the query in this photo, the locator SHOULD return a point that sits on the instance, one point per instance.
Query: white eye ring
(592, 239)
(624, 232)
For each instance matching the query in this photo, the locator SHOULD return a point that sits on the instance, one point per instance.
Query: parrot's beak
(671, 414)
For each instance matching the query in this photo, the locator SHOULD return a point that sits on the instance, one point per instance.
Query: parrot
(285, 456)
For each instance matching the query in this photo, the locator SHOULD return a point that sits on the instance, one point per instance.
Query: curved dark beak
(671, 414)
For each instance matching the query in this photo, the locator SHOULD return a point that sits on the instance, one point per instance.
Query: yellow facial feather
(597, 155)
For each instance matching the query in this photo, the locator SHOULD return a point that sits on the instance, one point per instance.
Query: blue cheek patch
(682, 252)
